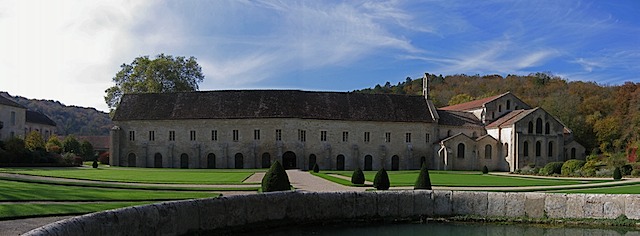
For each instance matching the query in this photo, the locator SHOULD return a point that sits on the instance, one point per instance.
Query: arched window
(487, 151)
(573, 153)
(538, 148)
(550, 149)
(525, 148)
(538, 126)
(461, 150)
(547, 129)
(530, 129)
(474, 135)
(508, 104)
(340, 162)
(499, 108)
(506, 149)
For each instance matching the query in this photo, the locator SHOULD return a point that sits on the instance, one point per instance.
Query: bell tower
(425, 86)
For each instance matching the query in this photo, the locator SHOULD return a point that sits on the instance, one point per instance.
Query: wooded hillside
(604, 117)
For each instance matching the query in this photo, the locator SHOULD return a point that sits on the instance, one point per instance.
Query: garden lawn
(27, 210)
(464, 179)
(142, 175)
(19, 191)
(627, 189)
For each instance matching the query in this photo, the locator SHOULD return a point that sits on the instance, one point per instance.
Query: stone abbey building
(336, 130)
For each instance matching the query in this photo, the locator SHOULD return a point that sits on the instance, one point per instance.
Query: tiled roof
(38, 118)
(239, 104)
(98, 142)
(9, 102)
(458, 118)
(472, 104)
(510, 118)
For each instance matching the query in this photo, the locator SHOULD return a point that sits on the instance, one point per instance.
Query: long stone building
(336, 130)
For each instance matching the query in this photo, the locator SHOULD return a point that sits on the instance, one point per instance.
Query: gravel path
(305, 181)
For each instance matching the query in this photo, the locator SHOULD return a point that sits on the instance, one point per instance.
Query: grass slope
(17, 211)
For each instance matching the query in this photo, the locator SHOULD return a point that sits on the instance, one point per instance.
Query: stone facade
(12, 119)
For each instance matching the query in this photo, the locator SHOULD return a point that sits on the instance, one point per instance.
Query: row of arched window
(488, 149)
(538, 127)
(538, 149)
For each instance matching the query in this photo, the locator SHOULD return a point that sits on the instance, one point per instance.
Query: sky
(69, 50)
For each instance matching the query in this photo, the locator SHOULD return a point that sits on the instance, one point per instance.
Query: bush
(423, 181)
(616, 174)
(551, 168)
(570, 167)
(381, 181)
(635, 173)
(357, 177)
(95, 164)
(104, 158)
(626, 169)
(316, 168)
(77, 161)
(485, 170)
(275, 179)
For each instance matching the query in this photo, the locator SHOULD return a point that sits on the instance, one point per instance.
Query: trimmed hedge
(316, 168)
(276, 179)
(423, 181)
(551, 168)
(617, 175)
(570, 167)
(357, 177)
(485, 170)
(381, 181)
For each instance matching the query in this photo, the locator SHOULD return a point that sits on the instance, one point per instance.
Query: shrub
(95, 164)
(635, 173)
(77, 161)
(357, 177)
(316, 168)
(275, 179)
(616, 174)
(423, 181)
(68, 158)
(381, 181)
(551, 168)
(485, 170)
(571, 166)
(626, 169)
(104, 158)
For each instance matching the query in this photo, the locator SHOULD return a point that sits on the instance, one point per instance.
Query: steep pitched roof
(458, 118)
(240, 104)
(9, 102)
(510, 118)
(38, 118)
(472, 104)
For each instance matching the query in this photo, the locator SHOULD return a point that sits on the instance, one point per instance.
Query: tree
(86, 150)
(71, 144)
(381, 181)
(316, 168)
(423, 181)
(159, 75)
(357, 177)
(460, 98)
(485, 170)
(34, 141)
(617, 175)
(53, 144)
(275, 179)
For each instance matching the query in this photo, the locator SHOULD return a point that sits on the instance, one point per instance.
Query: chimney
(425, 86)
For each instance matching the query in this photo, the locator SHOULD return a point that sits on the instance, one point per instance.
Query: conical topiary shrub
(275, 179)
(617, 175)
(381, 181)
(95, 164)
(357, 177)
(316, 168)
(485, 170)
(423, 181)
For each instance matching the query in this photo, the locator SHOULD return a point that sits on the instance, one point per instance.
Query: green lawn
(461, 178)
(15, 211)
(142, 175)
(626, 189)
(19, 191)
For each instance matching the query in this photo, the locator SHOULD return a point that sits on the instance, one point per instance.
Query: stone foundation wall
(180, 217)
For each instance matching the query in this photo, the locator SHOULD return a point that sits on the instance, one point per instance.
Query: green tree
(86, 150)
(381, 181)
(71, 144)
(34, 141)
(53, 144)
(162, 74)
(460, 98)
(423, 181)
(275, 179)
(357, 177)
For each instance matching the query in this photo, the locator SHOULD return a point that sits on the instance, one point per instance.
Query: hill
(602, 117)
(80, 121)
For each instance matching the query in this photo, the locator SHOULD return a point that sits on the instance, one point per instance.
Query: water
(473, 229)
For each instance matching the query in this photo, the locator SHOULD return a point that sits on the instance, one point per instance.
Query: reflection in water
(445, 229)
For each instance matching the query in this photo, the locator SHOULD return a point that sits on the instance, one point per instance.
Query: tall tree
(34, 141)
(164, 73)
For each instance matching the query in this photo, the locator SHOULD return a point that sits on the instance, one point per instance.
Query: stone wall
(290, 208)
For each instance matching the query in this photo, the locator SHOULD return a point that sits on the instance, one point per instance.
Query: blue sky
(70, 50)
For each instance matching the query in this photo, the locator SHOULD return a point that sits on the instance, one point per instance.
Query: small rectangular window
(278, 135)
(152, 135)
(387, 137)
(407, 137)
(236, 135)
(12, 134)
(214, 135)
(192, 135)
(132, 135)
(426, 137)
(13, 118)
(367, 137)
(256, 134)
(323, 136)
(172, 135)
(302, 135)
(345, 136)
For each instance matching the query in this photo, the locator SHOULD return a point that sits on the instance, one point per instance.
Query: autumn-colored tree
(34, 141)
(53, 144)
(70, 144)
(460, 98)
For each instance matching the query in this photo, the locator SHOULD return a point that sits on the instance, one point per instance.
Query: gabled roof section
(38, 118)
(511, 118)
(247, 104)
(472, 105)
(485, 137)
(458, 118)
(9, 102)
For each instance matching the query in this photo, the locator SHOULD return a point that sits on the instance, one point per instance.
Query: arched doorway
(368, 162)
(289, 160)
(266, 160)
(312, 161)
(131, 160)
(395, 162)
(211, 161)
(340, 162)
(184, 161)
(157, 160)
(239, 161)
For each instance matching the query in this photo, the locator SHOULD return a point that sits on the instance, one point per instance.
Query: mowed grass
(464, 179)
(142, 175)
(19, 191)
(626, 189)
(27, 210)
